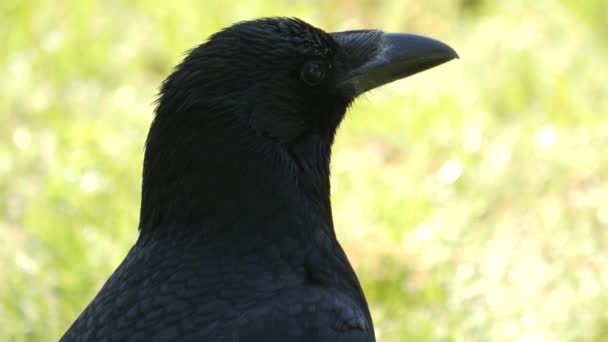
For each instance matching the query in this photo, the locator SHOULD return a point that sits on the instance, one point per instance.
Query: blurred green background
(472, 199)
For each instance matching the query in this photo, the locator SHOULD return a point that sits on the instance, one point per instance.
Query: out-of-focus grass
(472, 199)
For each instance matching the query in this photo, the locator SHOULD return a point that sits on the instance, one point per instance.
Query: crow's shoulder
(160, 294)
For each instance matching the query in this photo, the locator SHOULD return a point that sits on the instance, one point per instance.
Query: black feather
(236, 234)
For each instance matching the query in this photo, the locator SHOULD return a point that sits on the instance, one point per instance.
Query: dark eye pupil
(313, 72)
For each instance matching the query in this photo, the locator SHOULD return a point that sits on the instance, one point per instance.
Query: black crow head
(244, 125)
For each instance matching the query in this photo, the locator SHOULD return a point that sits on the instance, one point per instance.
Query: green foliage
(472, 199)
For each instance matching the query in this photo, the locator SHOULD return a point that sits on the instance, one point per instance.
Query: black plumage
(236, 234)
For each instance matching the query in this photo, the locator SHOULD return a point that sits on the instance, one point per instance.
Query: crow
(236, 238)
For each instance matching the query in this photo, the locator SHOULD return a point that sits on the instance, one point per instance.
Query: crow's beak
(394, 56)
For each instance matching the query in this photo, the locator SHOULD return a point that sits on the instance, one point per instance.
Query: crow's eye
(314, 72)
